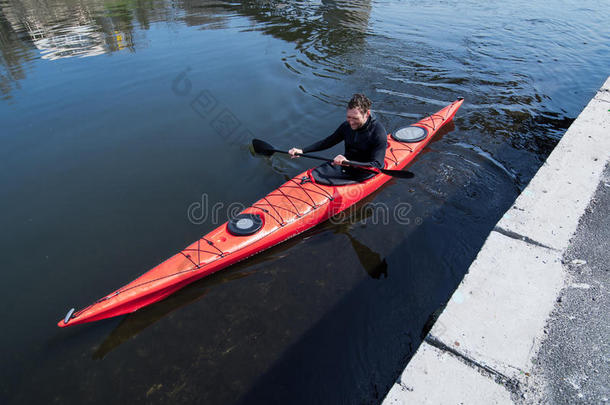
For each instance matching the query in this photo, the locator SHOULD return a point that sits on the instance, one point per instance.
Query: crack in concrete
(404, 386)
(511, 385)
(515, 235)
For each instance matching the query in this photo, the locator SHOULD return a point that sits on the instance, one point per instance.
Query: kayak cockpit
(333, 175)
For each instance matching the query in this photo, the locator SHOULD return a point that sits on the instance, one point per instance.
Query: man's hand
(295, 152)
(339, 159)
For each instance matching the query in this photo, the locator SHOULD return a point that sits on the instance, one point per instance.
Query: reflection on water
(60, 29)
(373, 263)
(135, 323)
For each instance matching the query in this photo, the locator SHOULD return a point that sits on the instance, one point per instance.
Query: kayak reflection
(371, 261)
(136, 322)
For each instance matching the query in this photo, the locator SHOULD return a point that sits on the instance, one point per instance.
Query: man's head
(358, 111)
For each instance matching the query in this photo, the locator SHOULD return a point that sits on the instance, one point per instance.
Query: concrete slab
(549, 209)
(436, 377)
(498, 312)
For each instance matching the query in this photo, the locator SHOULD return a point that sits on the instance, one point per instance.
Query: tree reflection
(56, 29)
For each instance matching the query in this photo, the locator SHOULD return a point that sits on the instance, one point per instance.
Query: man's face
(356, 118)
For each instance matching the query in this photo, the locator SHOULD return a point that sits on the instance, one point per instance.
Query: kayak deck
(295, 206)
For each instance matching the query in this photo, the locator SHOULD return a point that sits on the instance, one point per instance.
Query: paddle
(263, 148)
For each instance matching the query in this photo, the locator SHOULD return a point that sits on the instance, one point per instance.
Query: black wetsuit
(366, 145)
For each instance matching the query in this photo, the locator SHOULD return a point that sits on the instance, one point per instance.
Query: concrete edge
(481, 348)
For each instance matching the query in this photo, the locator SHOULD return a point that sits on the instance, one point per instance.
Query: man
(365, 138)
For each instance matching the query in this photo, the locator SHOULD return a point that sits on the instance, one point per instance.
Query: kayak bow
(297, 205)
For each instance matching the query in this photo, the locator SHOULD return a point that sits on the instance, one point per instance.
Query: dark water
(120, 117)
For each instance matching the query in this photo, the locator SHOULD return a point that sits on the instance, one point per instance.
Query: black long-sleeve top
(365, 145)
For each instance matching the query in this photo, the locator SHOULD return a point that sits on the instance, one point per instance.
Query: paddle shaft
(345, 162)
(268, 150)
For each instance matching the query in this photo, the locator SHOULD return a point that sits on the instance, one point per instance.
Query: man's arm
(380, 147)
(327, 142)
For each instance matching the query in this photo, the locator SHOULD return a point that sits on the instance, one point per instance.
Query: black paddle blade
(401, 174)
(262, 147)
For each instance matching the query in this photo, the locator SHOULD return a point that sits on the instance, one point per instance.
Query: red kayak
(299, 204)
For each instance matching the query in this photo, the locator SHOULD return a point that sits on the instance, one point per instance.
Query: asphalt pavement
(574, 361)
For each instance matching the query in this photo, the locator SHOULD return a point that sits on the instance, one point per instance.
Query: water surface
(121, 117)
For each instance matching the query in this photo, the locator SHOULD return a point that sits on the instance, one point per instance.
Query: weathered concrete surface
(494, 324)
(432, 372)
(500, 308)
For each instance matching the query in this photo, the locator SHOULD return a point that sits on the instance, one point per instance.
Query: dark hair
(361, 102)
